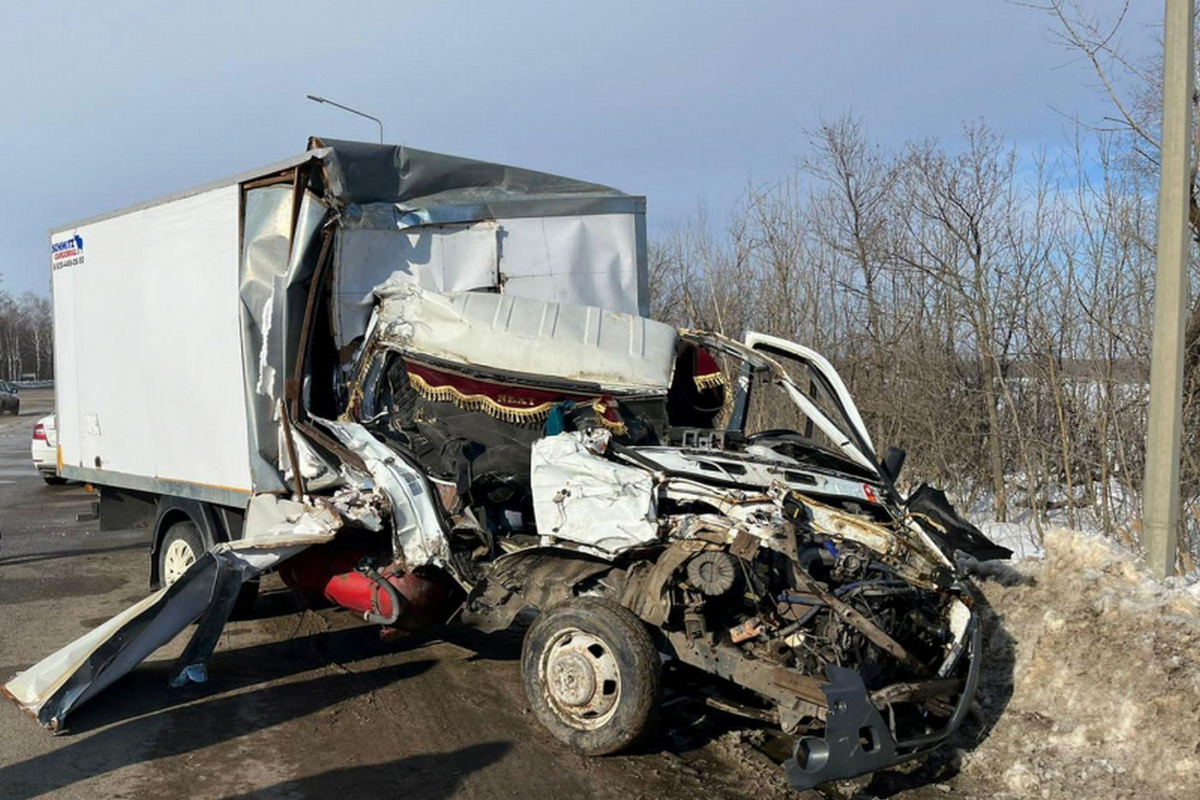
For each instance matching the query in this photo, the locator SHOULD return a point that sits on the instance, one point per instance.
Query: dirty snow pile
(1092, 679)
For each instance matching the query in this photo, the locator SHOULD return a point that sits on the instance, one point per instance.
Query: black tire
(53, 480)
(181, 534)
(579, 706)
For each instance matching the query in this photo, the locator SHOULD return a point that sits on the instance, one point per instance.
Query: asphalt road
(300, 703)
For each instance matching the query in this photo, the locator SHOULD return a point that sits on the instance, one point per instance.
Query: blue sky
(107, 104)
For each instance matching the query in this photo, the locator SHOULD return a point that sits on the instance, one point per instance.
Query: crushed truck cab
(434, 440)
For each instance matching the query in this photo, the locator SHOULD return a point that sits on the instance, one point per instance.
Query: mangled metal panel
(580, 344)
(583, 260)
(821, 365)
(275, 265)
(456, 224)
(454, 258)
(275, 530)
(847, 434)
(581, 497)
(416, 523)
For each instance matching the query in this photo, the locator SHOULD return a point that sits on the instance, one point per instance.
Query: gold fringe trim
(711, 381)
(618, 428)
(516, 416)
(478, 402)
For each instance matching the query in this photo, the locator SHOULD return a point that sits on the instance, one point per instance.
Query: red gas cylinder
(390, 596)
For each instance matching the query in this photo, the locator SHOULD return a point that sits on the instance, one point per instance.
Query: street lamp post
(319, 99)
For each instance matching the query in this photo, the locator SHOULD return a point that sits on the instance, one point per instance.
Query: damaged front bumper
(858, 740)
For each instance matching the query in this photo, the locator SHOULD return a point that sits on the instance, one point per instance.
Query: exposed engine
(787, 585)
(793, 614)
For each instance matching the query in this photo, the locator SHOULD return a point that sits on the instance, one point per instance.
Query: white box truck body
(177, 320)
(149, 380)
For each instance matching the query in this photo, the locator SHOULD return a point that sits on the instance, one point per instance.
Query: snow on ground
(1020, 537)
(1092, 679)
(1023, 531)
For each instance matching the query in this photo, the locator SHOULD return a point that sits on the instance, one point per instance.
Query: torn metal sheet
(318, 473)
(556, 239)
(416, 524)
(273, 521)
(579, 496)
(360, 506)
(276, 530)
(590, 259)
(52, 688)
(441, 258)
(276, 262)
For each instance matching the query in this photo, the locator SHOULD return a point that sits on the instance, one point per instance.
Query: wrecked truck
(456, 410)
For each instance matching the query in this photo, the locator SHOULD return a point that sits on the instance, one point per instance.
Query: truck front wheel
(592, 674)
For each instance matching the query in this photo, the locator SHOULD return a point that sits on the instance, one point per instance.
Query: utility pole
(1165, 425)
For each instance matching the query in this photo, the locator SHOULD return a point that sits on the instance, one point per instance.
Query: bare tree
(1134, 88)
(25, 337)
(992, 321)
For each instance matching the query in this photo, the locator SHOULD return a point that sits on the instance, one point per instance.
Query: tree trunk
(994, 451)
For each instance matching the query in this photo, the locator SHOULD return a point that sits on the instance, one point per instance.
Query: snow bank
(1092, 678)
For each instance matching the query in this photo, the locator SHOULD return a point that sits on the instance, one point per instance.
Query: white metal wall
(147, 345)
(589, 260)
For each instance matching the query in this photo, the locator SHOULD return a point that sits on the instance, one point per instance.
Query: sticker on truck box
(67, 253)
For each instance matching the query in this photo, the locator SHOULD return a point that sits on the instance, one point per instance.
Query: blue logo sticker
(67, 253)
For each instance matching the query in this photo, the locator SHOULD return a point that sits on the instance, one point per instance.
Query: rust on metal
(914, 691)
(873, 632)
(290, 441)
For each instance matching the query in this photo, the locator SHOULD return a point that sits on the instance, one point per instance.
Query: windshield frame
(761, 353)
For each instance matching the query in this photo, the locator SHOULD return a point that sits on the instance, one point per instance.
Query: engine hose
(842, 591)
(801, 600)
(384, 585)
(794, 626)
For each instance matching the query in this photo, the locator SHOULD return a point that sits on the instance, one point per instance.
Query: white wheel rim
(581, 679)
(178, 558)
